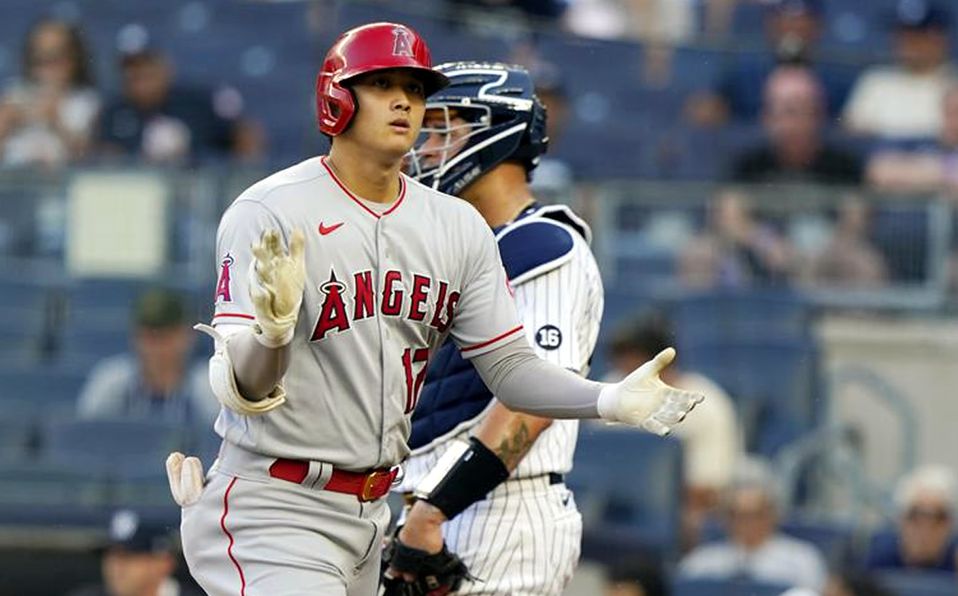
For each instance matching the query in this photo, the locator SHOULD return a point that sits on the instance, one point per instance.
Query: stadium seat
(741, 315)
(774, 382)
(40, 492)
(833, 539)
(113, 446)
(49, 390)
(628, 487)
(918, 583)
(729, 587)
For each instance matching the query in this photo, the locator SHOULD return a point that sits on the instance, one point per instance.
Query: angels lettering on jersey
(353, 298)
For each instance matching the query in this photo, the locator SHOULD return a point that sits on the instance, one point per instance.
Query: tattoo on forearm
(512, 448)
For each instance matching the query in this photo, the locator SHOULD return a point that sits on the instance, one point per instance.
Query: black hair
(650, 332)
(642, 570)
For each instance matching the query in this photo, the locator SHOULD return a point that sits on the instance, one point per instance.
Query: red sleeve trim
(492, 341)
(234, 314)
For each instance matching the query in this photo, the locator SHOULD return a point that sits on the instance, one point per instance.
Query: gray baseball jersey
(385, 285)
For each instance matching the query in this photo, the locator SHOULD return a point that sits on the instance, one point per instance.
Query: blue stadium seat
(918, 583)
(17, 437)
(628, 487)
(114, 446)
(731, 587)
(751, 314)
(39, 492)
(774, 381)
(48, 388)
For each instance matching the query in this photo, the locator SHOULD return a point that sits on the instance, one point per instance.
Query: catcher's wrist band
(465, 474)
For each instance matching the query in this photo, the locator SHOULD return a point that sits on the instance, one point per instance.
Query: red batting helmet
(376, 46)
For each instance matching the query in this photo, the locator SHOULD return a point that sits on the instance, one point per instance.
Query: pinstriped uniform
(524, 537)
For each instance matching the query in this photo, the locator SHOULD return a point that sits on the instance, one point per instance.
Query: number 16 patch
(548, 337)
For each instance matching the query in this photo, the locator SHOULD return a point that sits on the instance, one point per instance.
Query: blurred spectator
(711, 440)
(139, 560)
(849, 259)
(903, 100)
(662, 21)
(925, 538)
(636, 576)
(921, 167)
(46, 117)
(792, 29)
(157, 381)
(755, 549)
(793, 116)
(736, 249)
(161, 122)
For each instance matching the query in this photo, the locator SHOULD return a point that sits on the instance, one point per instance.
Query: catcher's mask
(488, 114)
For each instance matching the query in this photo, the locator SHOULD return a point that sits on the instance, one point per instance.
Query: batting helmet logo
(402, 45)
(368, 48)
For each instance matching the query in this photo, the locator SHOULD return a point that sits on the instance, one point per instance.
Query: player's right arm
(258, 297)
(485, 329)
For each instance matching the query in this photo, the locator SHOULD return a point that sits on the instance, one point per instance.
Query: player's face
(444, 134)
(391, 105)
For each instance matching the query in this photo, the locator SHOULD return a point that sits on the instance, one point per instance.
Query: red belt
(367, 487)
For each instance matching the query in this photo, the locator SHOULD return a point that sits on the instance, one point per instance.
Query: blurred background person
(736, 249)
(792, 31)
(755, 549)
(158, 121)
(903, 100)
(712, 444)
(139, 560)
(921, 167)
(157, 380)
(47, 116)
(849, 259)
(795, 150)
(925, 537)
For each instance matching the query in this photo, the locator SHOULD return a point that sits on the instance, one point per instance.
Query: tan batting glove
(276, 285)
(186, 478)
(643, 399)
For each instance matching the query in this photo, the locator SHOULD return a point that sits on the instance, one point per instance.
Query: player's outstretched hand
(186, 478)
(643, 399)
(277, 281)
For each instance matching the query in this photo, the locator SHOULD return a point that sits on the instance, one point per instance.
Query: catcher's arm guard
(436, 574)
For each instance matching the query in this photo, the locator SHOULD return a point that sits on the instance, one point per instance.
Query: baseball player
(339, 277)
(486, 133)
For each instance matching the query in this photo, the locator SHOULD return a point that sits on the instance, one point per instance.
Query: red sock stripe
(229, 549)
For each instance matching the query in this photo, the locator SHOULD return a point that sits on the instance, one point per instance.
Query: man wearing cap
(158, 121)
(792, 29)
(903, 101)
(139, 560)
(157, 380)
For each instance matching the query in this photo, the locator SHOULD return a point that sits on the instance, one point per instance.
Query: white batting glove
(186, 478)
(643, 399)
(276, 285)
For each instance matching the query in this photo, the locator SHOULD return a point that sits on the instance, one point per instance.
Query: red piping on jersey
(233, 314)
(229, 549)
(493, 340)
(402, 192)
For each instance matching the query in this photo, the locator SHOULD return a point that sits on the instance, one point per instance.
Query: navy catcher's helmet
(488, 114)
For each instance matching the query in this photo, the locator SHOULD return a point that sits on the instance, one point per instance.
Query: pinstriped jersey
(386, 284)
(560, 304)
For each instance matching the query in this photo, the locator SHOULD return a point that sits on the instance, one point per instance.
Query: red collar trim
(358, 201)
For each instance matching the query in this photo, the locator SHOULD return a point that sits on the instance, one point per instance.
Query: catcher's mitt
(436, 574)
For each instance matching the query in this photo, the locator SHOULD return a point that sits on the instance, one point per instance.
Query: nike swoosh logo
(323, 230)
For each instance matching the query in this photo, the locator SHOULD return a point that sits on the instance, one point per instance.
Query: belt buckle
(369, 483)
